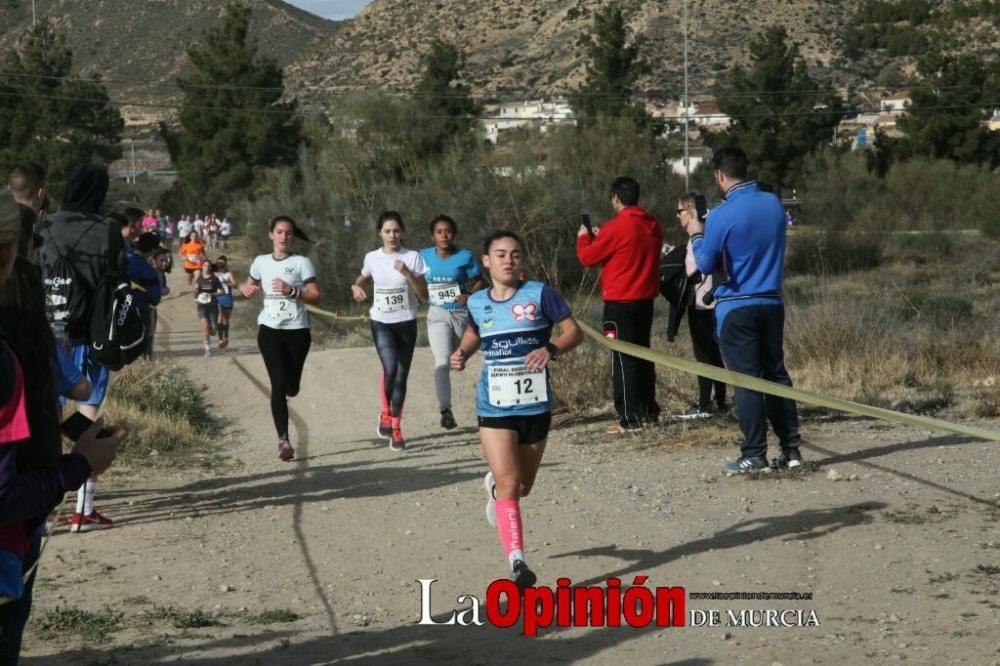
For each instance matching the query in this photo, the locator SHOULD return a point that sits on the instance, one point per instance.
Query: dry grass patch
(165, 415)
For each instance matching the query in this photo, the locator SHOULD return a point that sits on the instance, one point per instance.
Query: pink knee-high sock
(509, 527)
(381, 392)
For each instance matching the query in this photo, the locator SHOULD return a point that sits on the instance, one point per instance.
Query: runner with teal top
(512, 322)
(452, 274)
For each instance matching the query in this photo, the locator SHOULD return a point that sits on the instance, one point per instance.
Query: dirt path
(902, 555)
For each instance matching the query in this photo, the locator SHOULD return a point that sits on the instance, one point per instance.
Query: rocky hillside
(513, 47)
(531, 45)
(138, 45)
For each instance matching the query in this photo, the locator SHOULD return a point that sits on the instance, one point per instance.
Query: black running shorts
(530, 429)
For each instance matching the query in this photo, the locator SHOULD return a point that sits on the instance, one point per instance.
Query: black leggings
(284, 353)
(394, 344)
(701, 323)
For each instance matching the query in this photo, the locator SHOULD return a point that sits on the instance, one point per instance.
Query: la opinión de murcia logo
(610, 605)
(565, 606)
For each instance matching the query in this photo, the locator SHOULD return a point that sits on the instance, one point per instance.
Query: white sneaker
(208, 352)
(491, 505)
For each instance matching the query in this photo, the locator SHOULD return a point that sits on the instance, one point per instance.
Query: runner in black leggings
(288, 282)
(399, 287)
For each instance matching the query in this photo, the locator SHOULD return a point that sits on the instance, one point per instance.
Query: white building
(711, 117)
(534, 114)
(677, 164)
(895, 103)
(994, 122)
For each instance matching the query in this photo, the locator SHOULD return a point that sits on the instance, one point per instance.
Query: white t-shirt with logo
(394, 301)
(280, 311)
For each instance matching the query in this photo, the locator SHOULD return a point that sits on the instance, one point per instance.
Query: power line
(665, 95)
(418, 116)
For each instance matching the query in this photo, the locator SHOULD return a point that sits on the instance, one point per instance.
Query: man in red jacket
(628, 248)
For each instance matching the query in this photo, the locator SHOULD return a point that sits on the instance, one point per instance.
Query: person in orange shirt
(193, 253)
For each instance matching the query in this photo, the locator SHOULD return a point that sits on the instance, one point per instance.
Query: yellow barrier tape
(782, 391)
(336, 315)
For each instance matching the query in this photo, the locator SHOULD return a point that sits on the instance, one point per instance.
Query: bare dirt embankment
(315, 562)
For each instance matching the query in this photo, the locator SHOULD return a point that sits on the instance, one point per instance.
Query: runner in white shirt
(225, 228)
(288, 282)
(399, 287)
(225, 299)
(184, 228)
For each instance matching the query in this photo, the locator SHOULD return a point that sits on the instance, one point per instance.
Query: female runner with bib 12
(397, 274)
(288, 282)
(513, 322)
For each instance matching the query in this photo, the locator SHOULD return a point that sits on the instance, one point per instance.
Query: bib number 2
(512, 385)
(281, 309)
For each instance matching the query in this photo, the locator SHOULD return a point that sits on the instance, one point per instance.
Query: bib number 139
(511, 385)
(391, 299)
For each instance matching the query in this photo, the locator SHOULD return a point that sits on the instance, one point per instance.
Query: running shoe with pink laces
(397, 442)
(384, 425)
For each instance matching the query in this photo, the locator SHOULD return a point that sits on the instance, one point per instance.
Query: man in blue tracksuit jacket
(745, 236)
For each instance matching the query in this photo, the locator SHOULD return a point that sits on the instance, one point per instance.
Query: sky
(331, 9)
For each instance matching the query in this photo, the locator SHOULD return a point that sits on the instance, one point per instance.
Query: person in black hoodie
(34, 473)
(79, 233)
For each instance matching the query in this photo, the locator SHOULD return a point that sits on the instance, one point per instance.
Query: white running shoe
(491, 496)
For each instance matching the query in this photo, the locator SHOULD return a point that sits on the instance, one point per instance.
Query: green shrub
(946, 311)
(833, 252)
(94, 626)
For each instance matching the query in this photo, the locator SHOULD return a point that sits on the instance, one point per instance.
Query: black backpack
(117, 326)
(67, 298)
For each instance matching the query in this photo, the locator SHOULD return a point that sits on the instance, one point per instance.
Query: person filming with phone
(627, 247)
(745, 235)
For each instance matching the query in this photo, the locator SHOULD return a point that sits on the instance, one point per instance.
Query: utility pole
(34, 17)
(687, 104)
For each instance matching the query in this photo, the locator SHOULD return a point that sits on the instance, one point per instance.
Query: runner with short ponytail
(288, 283)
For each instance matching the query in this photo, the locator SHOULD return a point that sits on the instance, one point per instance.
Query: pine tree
(613, 68)
(779, 112)
(445, 110)
(232, 121)
(948, 111)
(50, 115)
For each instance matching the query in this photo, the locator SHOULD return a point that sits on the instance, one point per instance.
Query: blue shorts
(96, 373)
(225, 301)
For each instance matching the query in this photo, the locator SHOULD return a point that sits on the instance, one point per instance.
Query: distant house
(709, 116)
(676, 164)
(849, 129)
(533, 114)
(994, 122)
(895, 103)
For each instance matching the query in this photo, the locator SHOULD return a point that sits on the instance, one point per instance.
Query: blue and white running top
(448, 277)
(510, 330)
